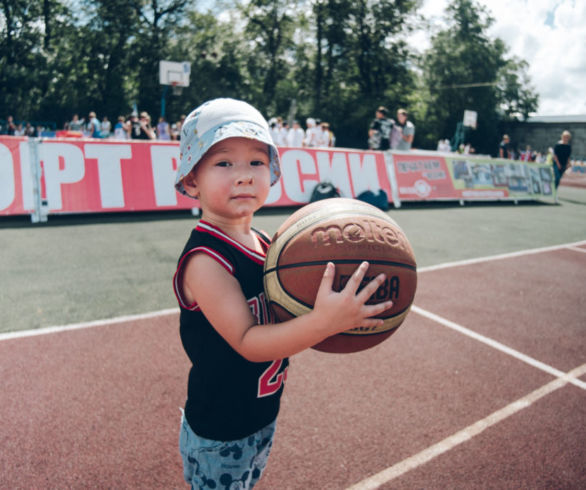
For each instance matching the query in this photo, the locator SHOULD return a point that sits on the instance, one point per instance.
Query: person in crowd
(175, 129)
(179, 123)
(402, 132)
(9, 128)
(332, 137)
(283, 134)
(296, 135)
(325, 137)
(274, 129)
(561, 156)
(120, 130)
(76, 124)
(539, 157)
(132, 125)
(505, 150)
(444, 146)
(93, 126)
(140, 127)
(549, 156)
(163, 130)
(30, 130)
(528, 155)
(19, 131)
(379, 132)
(311, 133)
(174, 132)
(105, 127)
(239, 358)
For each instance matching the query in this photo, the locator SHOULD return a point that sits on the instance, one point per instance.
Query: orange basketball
(345, 232)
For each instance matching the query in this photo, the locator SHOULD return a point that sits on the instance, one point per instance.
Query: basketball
(345, 232)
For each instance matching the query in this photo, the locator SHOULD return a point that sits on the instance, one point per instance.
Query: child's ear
(190, 185)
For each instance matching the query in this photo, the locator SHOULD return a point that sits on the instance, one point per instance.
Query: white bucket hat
(217, 120)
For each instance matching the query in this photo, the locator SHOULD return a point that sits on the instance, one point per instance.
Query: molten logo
(368, 230)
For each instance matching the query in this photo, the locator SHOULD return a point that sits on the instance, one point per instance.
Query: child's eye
(257, 163)
(223, 163)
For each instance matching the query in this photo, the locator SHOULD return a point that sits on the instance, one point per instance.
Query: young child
(228, 162)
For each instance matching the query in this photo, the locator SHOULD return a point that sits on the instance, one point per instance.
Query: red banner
(86, 175)
(351, 171)
(16, 190)
(422, 177)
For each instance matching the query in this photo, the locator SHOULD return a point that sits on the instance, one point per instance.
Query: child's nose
(244, 177)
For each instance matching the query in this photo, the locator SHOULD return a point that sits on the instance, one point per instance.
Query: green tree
(332, 59)
(465, 69)
(105, 35)
(157, 21)
(268, 32)
(517, 96)
(361, 61)
(22, 60)
(218, 60)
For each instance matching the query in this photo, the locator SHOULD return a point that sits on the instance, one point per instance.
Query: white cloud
(550, 35)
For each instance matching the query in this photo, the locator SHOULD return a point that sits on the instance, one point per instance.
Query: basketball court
(483, 386)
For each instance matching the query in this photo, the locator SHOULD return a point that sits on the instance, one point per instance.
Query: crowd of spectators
(317, 134)
(134, 126)
(386, 133)
(140, 126)
(11, 127)
(509, 151)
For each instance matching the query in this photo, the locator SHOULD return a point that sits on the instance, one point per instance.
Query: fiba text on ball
(388, 290)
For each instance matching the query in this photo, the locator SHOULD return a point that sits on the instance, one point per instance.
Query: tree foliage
(466, 70)
(336, 60)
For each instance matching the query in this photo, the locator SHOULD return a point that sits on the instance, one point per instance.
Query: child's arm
(220, 298)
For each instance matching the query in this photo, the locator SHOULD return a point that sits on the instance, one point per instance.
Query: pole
(165, 88)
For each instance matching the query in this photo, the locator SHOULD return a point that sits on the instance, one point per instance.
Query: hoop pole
(165, 88)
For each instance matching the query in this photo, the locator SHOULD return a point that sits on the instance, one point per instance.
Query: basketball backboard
(174, 73)
(470, 118)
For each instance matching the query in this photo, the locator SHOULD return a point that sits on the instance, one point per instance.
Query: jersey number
(271, 380)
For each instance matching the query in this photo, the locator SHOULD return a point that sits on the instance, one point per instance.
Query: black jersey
(563, 152)
(228, 397)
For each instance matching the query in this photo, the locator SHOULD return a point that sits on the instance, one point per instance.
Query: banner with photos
(426, 176)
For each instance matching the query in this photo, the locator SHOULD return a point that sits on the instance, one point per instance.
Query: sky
(549, 34)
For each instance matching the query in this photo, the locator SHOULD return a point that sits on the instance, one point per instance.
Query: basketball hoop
(177, 89)
(174, 74)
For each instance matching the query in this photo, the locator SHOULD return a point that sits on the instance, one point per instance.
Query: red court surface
(575, 179)
(482, 387)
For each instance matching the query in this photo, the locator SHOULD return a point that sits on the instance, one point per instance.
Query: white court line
(443, 446)
(466, 434)
(577, 249)
(496, 345)
(509, 255)
(473, 430)
(77, 326)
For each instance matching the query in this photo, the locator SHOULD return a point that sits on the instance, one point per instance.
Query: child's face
(232, 180)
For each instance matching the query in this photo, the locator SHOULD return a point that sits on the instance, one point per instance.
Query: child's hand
(340, 311)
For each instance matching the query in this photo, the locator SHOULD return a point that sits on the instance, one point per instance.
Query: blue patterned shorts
(232, 465)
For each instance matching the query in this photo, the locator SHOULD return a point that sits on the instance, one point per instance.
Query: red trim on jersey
(259, 258)
(178, 277)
